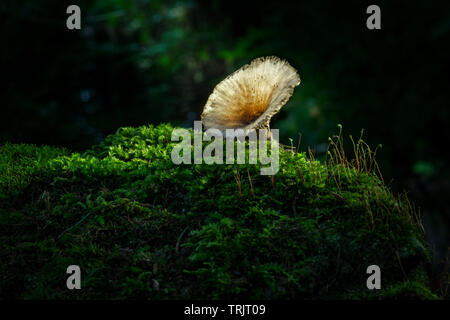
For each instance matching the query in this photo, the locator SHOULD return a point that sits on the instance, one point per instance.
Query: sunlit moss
(131, 218)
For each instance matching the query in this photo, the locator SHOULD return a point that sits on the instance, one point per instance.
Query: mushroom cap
(249, 97)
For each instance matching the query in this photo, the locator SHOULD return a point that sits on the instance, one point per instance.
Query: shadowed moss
(140, 226)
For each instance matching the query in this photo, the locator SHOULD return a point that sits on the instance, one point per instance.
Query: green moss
(141, 227)
(414, 290)
(18, 164)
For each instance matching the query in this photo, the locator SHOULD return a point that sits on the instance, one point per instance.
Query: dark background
(146, 62)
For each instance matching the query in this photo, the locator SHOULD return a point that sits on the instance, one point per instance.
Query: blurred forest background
(146, 62)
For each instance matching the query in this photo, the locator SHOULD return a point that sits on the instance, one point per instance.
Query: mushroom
(249, 97)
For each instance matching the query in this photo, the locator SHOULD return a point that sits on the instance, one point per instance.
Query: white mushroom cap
(249, 97)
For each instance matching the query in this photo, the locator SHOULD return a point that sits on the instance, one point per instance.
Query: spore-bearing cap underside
(249, 97)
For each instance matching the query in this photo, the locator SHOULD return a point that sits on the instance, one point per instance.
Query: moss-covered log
(140, 226)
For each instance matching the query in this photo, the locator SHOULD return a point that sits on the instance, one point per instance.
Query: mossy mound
(140, 226)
